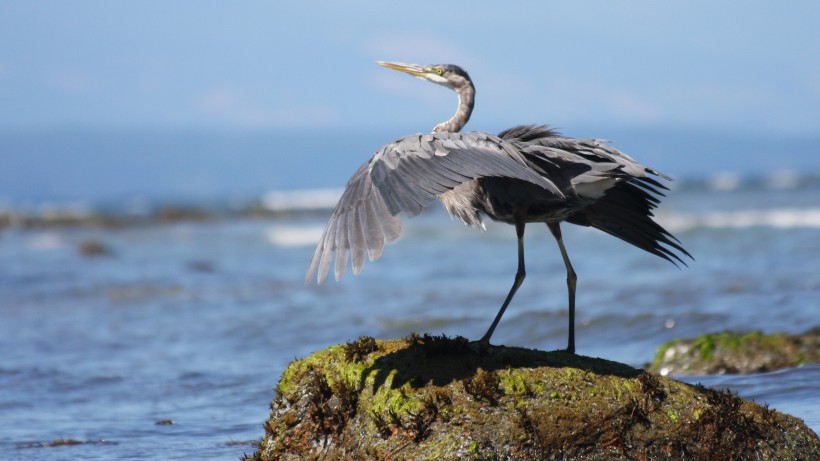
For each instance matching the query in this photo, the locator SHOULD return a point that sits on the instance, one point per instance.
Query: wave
(780, 199)
(782, 179)
(301, 200)
(294, 236)
(782, 218)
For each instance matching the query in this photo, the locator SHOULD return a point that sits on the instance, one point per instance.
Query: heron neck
(466, 101)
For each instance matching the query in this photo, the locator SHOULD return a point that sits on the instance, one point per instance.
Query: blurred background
(167, 167)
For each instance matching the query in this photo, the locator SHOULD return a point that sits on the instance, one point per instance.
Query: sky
(104, 99)
(265, 65)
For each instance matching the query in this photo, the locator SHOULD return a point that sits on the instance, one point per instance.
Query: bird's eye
(439, 70)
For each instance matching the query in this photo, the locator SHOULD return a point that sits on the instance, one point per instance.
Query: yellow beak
(412, 69)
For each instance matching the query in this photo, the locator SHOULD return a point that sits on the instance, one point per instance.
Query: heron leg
(571, 280)
(519, 278)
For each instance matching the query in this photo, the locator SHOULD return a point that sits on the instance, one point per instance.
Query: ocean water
(167, 343)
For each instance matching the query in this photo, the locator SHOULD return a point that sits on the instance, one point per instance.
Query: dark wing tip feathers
(625, 211)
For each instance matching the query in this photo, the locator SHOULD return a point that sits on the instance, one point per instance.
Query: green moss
(706, 346)
(517, 382)
(660, 354)
(432, 398)
(730, 352)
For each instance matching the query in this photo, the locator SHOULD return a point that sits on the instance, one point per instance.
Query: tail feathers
(626, 212)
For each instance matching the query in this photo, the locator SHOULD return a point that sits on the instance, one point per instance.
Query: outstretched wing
(406, 176)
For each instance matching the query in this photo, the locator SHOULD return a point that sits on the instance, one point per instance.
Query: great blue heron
(524, 174)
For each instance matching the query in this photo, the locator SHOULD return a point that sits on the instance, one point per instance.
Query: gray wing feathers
(373, 234)
(359, 225)
(406, 176)
(597, 150)
(432, 164)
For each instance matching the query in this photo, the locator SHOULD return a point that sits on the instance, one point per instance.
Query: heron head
(449, 75)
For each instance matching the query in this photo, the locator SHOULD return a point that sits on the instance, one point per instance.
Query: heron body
(522, 175)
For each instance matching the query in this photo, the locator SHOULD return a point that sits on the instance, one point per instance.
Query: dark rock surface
(440, 398)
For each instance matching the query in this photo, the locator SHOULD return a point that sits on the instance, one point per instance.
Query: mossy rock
(436, 398)
(731, 352)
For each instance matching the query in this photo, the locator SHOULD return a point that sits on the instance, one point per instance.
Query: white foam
(783, 179)
(75, 210)
(307, 199)
(783, 218)
(725, 181)
(45, 241)
(294, 236)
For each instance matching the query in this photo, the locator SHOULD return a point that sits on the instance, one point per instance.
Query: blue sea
(167, 343)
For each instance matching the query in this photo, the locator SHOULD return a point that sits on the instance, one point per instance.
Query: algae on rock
(730, 352)
(433, 397)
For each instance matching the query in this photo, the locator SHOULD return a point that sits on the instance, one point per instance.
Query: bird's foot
(480, 347)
